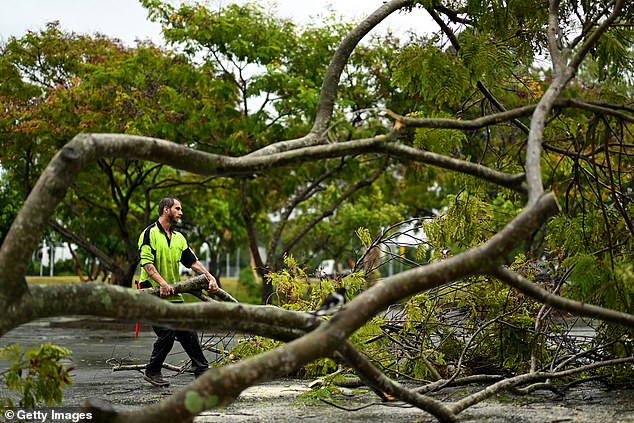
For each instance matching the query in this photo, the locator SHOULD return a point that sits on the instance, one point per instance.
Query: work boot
(156, 380)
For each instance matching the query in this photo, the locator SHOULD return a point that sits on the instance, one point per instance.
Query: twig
(388, 404)
(123, 367)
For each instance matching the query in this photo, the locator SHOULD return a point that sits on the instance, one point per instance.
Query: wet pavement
(96, 346)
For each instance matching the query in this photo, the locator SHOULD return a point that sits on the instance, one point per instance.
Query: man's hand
(200, 269)
(213, 285)
(166, 290)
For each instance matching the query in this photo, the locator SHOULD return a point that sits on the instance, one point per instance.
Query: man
(161, 248)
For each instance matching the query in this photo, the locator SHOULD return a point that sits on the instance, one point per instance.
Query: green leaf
(194, 402)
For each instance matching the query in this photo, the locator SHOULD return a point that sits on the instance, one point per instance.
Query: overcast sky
(127, 19)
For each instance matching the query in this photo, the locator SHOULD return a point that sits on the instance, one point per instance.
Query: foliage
(423, 336)
(295, 291)
(246, 280)
(500, 324)
(317, 368)
(273, 59)
(36, 374)
(324, 392)
(426, 71)
(10, 206)
(468, 220)
(605, 277)
(287, 290)
(252, 346)
(447, 142)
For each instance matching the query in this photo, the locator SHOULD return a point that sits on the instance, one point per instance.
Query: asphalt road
(95, 347)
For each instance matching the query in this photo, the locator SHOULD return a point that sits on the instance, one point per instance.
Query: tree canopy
(505, 136)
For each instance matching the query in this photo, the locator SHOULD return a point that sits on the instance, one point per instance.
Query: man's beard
(174, 220)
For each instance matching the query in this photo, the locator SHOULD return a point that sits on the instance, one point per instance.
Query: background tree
(99, 85)
(277, 68)
(129, 109)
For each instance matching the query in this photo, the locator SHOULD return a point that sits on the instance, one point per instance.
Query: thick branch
(592, 40)
(505, 384)
(505, 116)
(109, 263)
(340, 59)
(564, 72)
(127, 304)
(63, 169)
(560, 303)
(514, 182)
(376, 379)
(331, 81)
(190, 285)
(101, 300)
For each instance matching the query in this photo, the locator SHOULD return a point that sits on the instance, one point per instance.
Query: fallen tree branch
(513, 382)
(193, 286)
(560, 303)
(139, 367)
(375, 379)
(540, 386)
(223, 385)
(467, 380)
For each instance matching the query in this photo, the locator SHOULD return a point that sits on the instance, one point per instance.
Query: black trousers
(164, 343)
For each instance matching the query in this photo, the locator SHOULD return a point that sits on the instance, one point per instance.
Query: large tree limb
(127, 304)
(514, 182)
(331, 80)
(564, 71)
(108, 301)
(23, 236)
(593, 37)
(115, 302)
(340, 59)
(508, 115)
(560, 303)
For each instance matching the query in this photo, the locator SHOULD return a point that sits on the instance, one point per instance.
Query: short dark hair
(166, 202)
